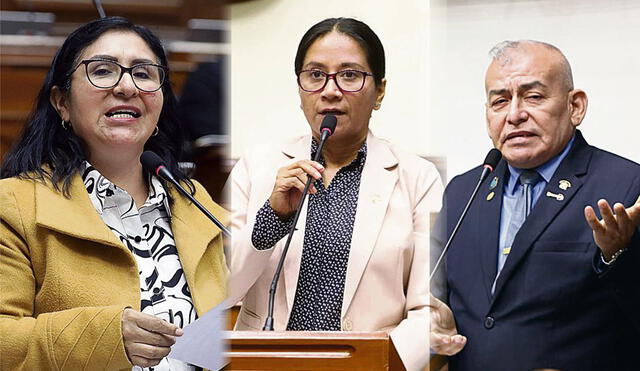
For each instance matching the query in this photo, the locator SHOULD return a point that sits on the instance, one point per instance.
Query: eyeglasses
(105, 74)
(347, 80)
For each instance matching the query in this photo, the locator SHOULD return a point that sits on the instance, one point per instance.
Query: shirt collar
(358, 162)
(100, 189)
(546, 170)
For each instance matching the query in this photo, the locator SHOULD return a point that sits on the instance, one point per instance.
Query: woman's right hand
(290, 182)
(147, 339)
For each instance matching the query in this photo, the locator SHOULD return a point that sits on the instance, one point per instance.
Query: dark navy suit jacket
(552, 307)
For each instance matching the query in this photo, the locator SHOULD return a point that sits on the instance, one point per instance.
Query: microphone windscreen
(150, 161)
(329, 122)
(492, 159)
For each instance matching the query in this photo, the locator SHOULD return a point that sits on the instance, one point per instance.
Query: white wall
(436, 59)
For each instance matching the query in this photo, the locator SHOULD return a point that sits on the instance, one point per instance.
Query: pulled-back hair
(357, 30)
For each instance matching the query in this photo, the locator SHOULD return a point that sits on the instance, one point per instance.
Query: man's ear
(59, 101)
(578, 103)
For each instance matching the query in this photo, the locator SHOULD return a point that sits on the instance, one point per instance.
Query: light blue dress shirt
(512, 188)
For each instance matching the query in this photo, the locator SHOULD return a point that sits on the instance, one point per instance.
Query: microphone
(327, 128)
(152, 163)
(490, 162)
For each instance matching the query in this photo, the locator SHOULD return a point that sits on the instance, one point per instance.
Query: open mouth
(519, 134)
(332, 111)
(123, 113)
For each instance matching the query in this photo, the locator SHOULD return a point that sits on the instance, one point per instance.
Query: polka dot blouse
(325, 254)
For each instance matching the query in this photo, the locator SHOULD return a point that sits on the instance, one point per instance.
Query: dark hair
(44, 142)
(353, 28)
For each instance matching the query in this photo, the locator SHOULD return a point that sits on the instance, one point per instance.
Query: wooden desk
(301, 350)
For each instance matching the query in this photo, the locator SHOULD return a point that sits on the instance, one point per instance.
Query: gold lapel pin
(564, 184)
(557, 196)
(490, 196)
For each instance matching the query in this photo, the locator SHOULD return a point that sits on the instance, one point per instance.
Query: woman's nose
(126, 86)
(331, 89)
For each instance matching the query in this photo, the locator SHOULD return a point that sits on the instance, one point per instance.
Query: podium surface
(304, 350)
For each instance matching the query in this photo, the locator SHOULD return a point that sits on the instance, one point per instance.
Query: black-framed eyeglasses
(106, 74)
(313, 81)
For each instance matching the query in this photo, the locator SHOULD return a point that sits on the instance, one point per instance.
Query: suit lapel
(298, 149)
(74, 216)
(376, 185)
(488, 218)
(572, 168)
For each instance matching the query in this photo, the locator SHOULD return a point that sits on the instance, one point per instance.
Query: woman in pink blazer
(359, 258)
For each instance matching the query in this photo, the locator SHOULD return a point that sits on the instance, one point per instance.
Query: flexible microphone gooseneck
(490, 162)
(98, 5)
(327, 128)
(152, 163)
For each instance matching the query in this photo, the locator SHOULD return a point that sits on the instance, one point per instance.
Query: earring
(376, 106)
(155, 132)
(65, 125)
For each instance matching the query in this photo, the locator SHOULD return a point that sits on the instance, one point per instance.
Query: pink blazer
(386, 284)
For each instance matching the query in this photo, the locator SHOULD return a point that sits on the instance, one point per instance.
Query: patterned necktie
(528, 179)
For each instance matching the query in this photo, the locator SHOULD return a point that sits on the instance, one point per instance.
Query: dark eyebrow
(114, 59)
(531, 85)
(496, 92)
(523, 87)
(346, 65)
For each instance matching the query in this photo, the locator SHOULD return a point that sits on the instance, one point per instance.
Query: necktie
(524, 202)
(528, 179)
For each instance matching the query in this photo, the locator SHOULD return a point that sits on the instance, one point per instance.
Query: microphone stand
(490, 162)
(268, 324)
(206, 212)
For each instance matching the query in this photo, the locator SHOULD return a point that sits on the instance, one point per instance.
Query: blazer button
(347, 325)
(489, 322)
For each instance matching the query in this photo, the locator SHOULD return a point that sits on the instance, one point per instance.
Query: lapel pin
(490, 196)
(494, 183)
(564, 184)
(557, 196)
(376, 198)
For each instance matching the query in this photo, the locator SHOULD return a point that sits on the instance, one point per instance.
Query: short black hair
(46, 151)
(353, 28)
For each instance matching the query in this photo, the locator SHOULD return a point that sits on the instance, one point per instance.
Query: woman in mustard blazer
(101, 264)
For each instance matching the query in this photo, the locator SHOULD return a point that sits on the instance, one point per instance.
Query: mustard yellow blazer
(65, 278)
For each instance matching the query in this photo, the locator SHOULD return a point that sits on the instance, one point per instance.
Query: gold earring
(155, 132)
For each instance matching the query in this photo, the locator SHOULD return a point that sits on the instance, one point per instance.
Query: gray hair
(500, 52)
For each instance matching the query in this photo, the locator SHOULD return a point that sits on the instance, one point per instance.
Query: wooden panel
(166, 12)
(293, 350)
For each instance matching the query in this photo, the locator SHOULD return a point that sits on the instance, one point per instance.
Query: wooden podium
(303, 350)
(293, 350)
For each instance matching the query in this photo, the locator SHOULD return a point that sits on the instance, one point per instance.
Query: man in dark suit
(534, 278)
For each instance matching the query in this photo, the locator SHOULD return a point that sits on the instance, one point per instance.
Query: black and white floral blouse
(146, 232)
